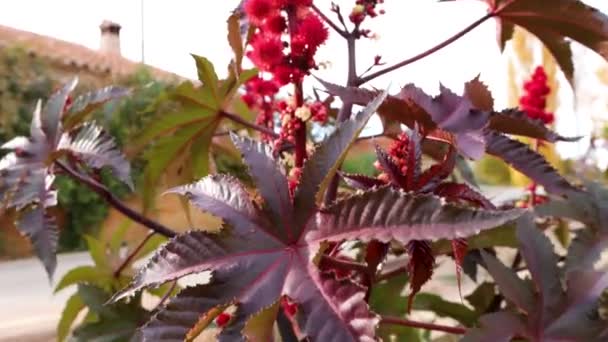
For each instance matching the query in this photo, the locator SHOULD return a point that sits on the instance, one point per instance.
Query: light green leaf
(259, 326)
(444, 308)
(481, 298)
(167, 122)
(72, 308)
(84, 274)
(503, 236)
(207, 75)
(97, 250)
(201, 96)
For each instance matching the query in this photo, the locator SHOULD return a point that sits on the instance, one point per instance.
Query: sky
(173, 30)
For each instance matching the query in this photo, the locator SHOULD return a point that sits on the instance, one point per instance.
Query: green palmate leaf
(528, 162)
(323, 164)
(511, 286)
(199, 96)
(167, 123)
(84, 274)
(166, 150)
(97, 250)
(72, 308)
(97, 149)
(207, 75)
(114, 322)
(553, 22)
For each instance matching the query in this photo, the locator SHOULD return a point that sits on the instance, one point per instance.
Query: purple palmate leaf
(387, 214)
(527, 161)
(94, 146)
(324, 162)
(269, 177)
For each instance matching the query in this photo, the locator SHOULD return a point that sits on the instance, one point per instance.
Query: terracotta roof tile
(76, 55)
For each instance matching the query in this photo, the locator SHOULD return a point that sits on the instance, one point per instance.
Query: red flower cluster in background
(534, 103)
(535, 99)
(363, 9)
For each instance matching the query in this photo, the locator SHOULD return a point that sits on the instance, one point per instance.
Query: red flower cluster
(363, 9)
(260, 95)
(307, 33)
(398, 151)
(535, 99)
(292, 118)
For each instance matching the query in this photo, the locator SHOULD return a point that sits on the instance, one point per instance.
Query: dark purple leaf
(449, 111)
(438, 172)
(41, 229)
(580, 320)
(516, 122)
(395, 176)
(324, 162)
(414, 159)
(462, 192)
(344, 302)
(97, 149)
(541, 261)
(88, 102)
(269, 176)
(585, 249)
(528, 162)
(420, 266)
(224, 197)
(393, 108)
(361, 182)
(511, 286)
(479, 95)
(459, 249)
(53, 110)
(385, 214)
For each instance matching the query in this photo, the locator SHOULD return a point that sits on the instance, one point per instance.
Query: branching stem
(329, 22)
(422, 325)
(132, 255)
(248, 124)
(426, 53)
(103, 191)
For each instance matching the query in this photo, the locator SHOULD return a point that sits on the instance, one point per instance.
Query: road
(29, 311)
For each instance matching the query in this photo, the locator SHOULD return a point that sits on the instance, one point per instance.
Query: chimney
(110, 38)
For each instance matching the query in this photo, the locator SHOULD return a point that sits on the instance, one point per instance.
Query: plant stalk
(132, 255)
(248, 124)
(102, 191)
(422, 325)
